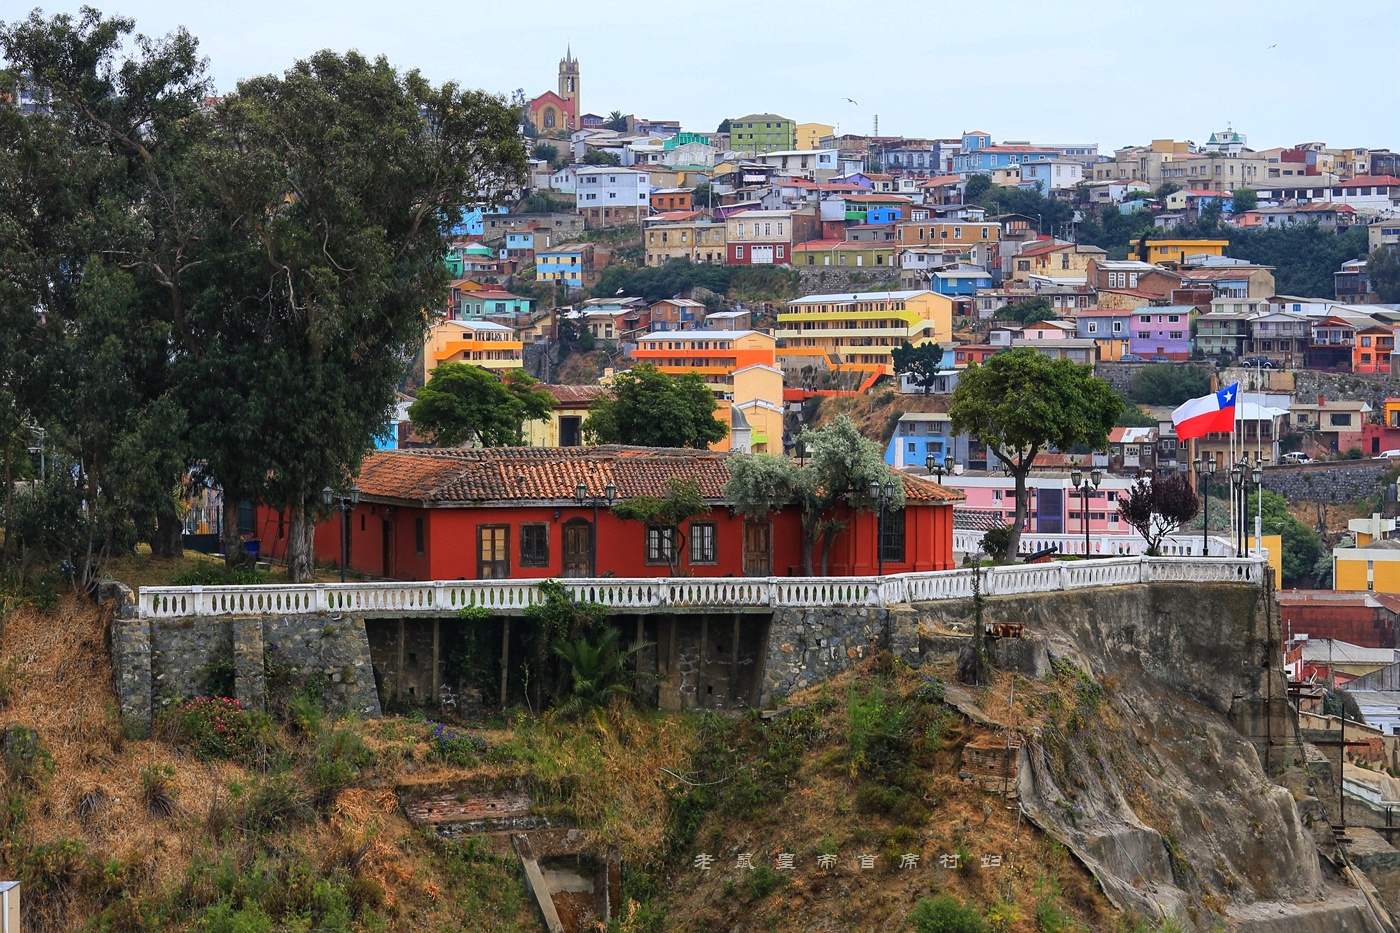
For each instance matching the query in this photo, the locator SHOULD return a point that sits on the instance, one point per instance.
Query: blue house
(471, 224)
(961, 280)
(883, 215)
(920, 433)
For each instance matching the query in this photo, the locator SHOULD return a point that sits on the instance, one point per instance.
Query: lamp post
(1085, 485)
(1257, 474)
(938, 468)
(1241, 474)
(881, 495)
(1204, 470)
(584, 499)
(342, 502)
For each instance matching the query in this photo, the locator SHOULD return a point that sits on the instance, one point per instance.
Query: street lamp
(938, 468)
(342, 502)
(584, 499)
(1085, 485)
(1205, 469)
(881, 495)
(1241, 474)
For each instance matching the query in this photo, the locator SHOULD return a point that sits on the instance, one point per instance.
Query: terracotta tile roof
(573, 396)
(1367, 181)
(1043, 248)
(504, 474)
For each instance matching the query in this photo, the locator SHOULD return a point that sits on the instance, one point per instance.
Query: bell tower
(568, 79)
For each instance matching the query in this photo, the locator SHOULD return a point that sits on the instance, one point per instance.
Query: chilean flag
(1209, 414)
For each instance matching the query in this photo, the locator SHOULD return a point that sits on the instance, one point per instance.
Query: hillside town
(430, 508)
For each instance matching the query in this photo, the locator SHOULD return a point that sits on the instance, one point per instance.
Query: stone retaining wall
(165, 660)
(1340, 481)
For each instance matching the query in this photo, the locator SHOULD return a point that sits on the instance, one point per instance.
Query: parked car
(1296, 456)
(1159, 358)
(1386, 454)
(1259, 362)
(1131, 358)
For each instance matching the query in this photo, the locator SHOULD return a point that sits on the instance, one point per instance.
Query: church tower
(568, 79)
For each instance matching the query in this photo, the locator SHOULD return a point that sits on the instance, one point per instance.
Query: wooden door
(387, 544)
(758, 549)
(578, 548)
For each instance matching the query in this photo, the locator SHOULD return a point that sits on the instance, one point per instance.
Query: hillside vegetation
(228, 820)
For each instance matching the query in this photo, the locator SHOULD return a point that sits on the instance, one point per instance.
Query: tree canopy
(920, 364)
(238, 289)
(601, 157)
(1301, 545)
(1383, 271)
(1027, 311)
(682, 501)
(837, 471)
(1244, 199)
(650, 408)
(463, 403)
(1020, 403)
(1168, 384)
(1159, 506)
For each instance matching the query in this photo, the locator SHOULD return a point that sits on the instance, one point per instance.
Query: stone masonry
(1333, 481)
(158, 661)
(807, 646)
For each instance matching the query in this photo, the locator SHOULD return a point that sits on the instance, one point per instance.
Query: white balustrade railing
(688, 593)
(1100, 544)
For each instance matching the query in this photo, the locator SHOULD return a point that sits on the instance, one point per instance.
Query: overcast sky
(1112, 73)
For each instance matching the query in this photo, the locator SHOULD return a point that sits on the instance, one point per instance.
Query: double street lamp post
(936, 467)
(1205, 469)
(1241, 475)
(342, 502)
(608, 497)
(881, 495)
(1086, 485)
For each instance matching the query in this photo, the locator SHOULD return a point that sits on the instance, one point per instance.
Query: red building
(512, 512)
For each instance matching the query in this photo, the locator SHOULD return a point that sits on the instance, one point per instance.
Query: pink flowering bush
(221, 727)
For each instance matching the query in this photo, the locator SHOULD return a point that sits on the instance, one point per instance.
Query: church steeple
(568, 78)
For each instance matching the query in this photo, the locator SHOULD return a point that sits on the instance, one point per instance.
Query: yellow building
(564, 426)
(946, 232)
(860, 331)
(1374, 563)
(482, 343)
(1175, 251)
(809, 135)
(696, 240)
(843, 253)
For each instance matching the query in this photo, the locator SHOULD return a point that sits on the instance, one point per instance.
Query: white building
(604, 189)
(817, 164)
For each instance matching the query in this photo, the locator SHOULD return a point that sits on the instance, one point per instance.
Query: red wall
(450, 542)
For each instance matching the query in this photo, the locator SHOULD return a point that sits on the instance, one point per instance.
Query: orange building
(672, 199)
(482, 343)
(1373, 348)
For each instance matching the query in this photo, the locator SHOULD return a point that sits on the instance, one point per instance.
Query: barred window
(702, 543)
(534, 545)
(892, 541)
(661, 544)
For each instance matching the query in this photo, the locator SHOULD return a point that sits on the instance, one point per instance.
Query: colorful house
(1159, 332)
(767, 237)
(513, 513)
(860, 331)
(482, 343)
(564, 426)
(697, 239)
(833, 252)
(484, 302)
(762, 132)
(569, 264)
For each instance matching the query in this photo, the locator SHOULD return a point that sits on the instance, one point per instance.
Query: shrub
(340, 756)
(220, 727)
(273, 805)
(223, 918)
(945, 914)
(157, 790)
(27, 761)
(455, 746)
(220, 575)
(763, 881)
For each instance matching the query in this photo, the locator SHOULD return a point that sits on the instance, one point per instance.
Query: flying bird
(852, 101)
(1274, 46)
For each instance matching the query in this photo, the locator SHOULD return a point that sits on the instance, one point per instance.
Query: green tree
(920, 364)
(463, 403)
(600, 671)
(1383, 271)
(101, 223)
(323, 294)
(1134, 417)
(616, 121)
(837, 472)
(682, 502)
(723, 126)
(1304, 256)
(1019, 403)
(702, 197)
(649, 408)
(601, 157)
(1245, 199)
(547, 152)
(542, 202)
(1027, 311)
(1168, 384)
(1301, 545)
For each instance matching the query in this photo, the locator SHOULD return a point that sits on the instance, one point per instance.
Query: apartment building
(860, 331)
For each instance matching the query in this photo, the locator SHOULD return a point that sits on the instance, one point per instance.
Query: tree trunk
(235, 557)
(809, 544)
(168, 535)
(826, 550)
(301, 536)
(1022, 507)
